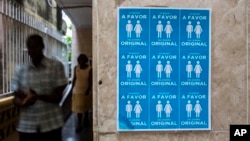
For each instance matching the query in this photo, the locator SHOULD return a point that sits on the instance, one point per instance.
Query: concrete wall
(81, 43)
(229, 80)
(43, 9)
(1, 56)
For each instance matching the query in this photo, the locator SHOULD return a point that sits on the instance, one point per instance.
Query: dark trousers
(55, 135)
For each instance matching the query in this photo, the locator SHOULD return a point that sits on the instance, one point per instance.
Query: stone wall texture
(81, 43)
(229, 69)
(42, 9)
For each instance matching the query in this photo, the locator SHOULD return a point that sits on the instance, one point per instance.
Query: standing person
(81, 97)
(38, 86)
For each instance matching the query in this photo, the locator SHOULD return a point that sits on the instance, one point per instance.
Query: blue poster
(163, 69)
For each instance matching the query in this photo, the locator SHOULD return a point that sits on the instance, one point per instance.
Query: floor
(68, 131)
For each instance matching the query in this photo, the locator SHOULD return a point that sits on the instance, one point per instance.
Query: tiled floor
(68, 132)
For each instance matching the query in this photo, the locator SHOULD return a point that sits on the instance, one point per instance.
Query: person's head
(82, 59)
(35, 46)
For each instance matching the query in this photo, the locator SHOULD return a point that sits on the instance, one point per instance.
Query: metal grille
(16, 23)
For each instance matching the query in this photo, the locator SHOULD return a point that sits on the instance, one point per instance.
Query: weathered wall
(1, 58)
(41, 8)
(81, 43)
(229, 91)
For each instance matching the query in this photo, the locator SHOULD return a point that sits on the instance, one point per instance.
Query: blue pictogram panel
(163, 69)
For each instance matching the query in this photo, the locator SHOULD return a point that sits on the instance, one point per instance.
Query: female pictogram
(197, 69)
(168, 29)
(168, 69)
(168, 109)
(198, 30)
(197, 108)
(137, 109)
(138, 29)
(138, 69)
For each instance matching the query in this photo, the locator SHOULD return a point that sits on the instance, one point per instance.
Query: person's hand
(20, 94)
(19, 97)
(30, 99)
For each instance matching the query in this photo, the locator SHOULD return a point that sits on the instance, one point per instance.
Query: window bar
(18, 24)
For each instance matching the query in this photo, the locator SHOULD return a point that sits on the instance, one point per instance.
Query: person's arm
(60, 81)
(22, 99)
(90, 82)
(18, 97)
(55, 97)
(74, 78)
(18, 94)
